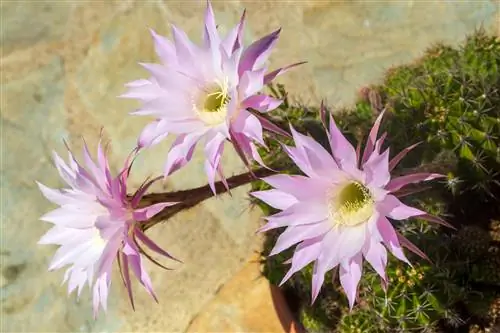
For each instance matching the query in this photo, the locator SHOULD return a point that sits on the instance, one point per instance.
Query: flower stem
(192, 197)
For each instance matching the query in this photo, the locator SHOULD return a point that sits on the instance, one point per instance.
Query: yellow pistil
(211, 106)
(351, 205)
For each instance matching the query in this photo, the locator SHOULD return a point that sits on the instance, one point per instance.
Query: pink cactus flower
(338, 211)
(97, 224)
(204, 93)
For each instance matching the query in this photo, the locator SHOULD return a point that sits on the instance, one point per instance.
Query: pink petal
(60, 235)
(249, 125)
(342, 150)
(390, 238)
(320, 163)
(270, 126)
(76, 280)
(136, 198)
(295, 234)
(372, 137)
(395, 209)
(254, 153)
(210, 34)
(301, 187)
(261, 103)
(66, 173)
(272, 75)
(144, 92)
(223, 179)
(170, 105)
(144, 214)
(135, 262)
(109, 253)
(376, 254)
(101, 158)
(301, 213)
(164, 49)
(104, 291)
(126, 278)
(66, 218)
(56, 196)
(185, 49)
(275, 198)
(211, 37)
(240, 143)
(181, 152)
(396, 159)
(138, 83)
(251, 82)
(229, 66)
(350, 274)
(109, 226)
(435, 219)
(298, 157)
(318, 279)
(98, 175)
(95, 300)
(258, 52)
(213, 153)
(400, 182)
(233, 39)
(152, 134)
(152, 245)
(66, 255)
(348, 242)
(330, 254)
(377, 170)
(160, 73)
(410, 246)
(305, 253)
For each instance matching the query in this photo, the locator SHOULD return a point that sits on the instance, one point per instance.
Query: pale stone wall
(62, 65)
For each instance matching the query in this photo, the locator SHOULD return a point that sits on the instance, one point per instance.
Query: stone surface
(61, 73)
(244, 304)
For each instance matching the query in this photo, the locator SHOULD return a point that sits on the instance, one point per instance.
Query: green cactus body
(487, 270)
(409, 303)
(450, 100)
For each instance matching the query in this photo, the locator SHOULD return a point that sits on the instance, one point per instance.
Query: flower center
(215, 100)
(350, 205)
(211, 105)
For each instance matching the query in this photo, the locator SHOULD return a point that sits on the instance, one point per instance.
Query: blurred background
(62, 65)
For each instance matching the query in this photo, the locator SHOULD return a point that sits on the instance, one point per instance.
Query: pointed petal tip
(314, 297)
(283, 281)
(124, 95)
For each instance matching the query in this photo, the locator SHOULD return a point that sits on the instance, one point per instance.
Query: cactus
(326, 312)
(489, 309)
(449, 99)
(495, 230)
(412, 301)
(311, 323)
(360, 321)
(472, 242)
(487, 270)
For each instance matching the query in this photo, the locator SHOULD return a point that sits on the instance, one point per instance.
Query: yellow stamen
(211, 107)
(351, 205)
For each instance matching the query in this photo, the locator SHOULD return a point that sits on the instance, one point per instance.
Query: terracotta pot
(288, 321)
